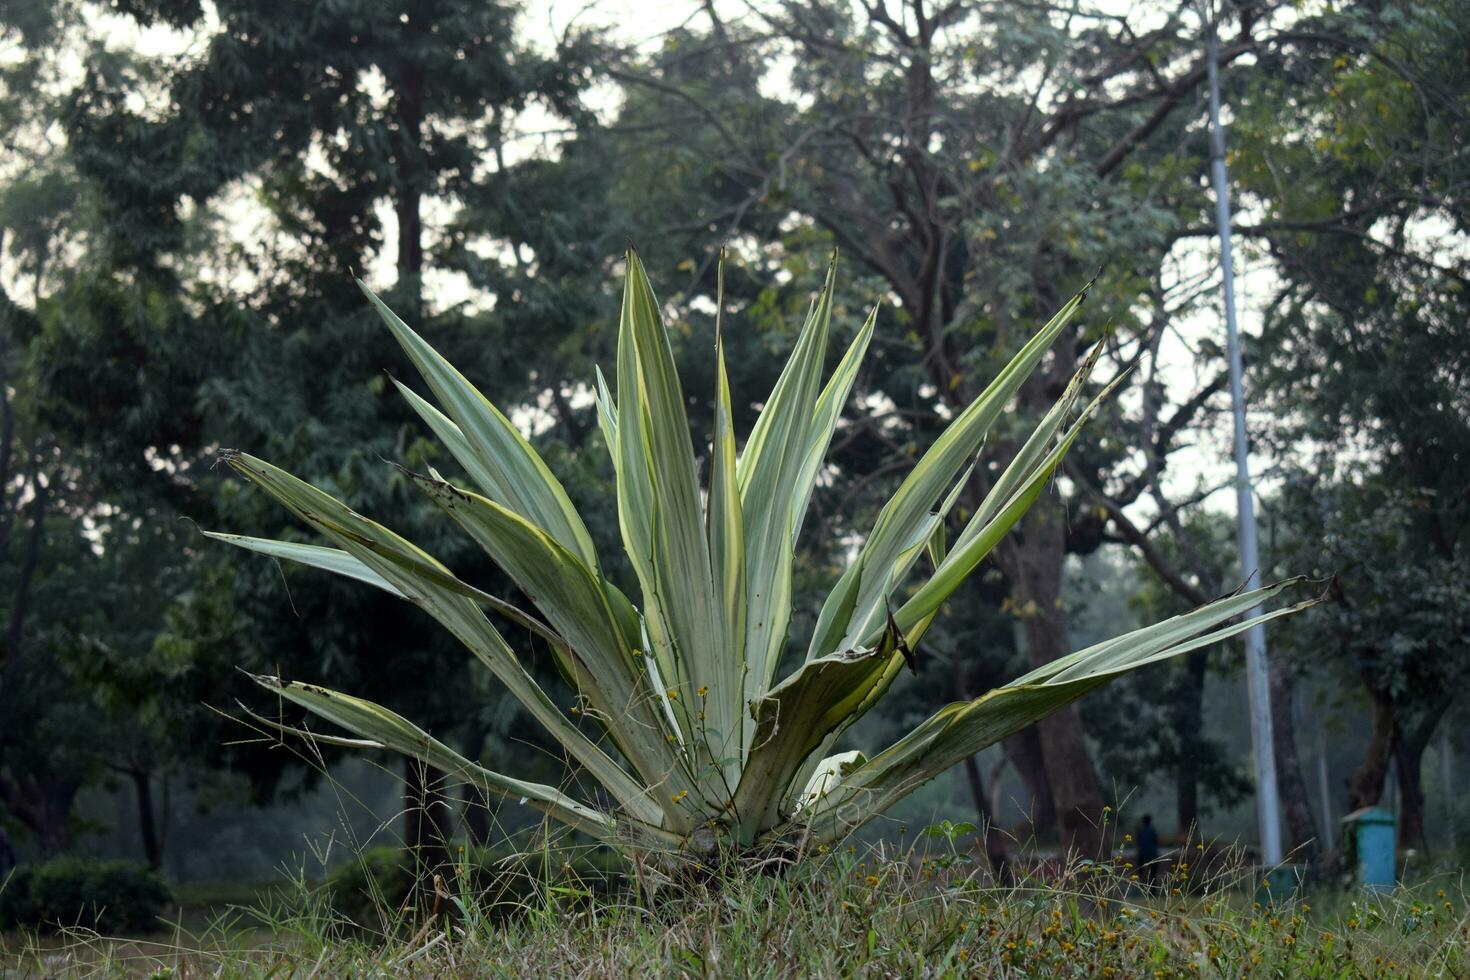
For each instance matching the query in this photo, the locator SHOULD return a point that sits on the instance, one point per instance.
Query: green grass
(873, 912)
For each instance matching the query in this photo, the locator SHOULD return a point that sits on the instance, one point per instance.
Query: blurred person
(1148, 851)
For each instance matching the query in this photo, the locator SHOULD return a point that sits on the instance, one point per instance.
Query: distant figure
(1148, 851)
(7, 856)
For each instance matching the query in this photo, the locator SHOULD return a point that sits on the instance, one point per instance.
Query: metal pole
(1268, 808)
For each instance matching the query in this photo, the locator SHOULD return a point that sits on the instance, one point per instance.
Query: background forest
(187, 189)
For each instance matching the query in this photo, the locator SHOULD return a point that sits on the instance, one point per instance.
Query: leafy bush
(499, 880)
(15, 898)
(109, 896)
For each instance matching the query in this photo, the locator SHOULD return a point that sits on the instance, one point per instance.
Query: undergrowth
(921, 911)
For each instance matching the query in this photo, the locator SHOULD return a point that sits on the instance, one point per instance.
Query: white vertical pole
(1258, 682)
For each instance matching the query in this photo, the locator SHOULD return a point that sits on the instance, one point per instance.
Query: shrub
(15, 898)
(109, 896)
(715, 751)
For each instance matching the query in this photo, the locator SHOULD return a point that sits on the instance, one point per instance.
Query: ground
(859, 912)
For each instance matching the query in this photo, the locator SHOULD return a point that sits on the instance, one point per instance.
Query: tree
(1360, 183)
(326, 117)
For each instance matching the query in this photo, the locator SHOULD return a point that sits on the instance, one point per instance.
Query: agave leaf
(517, 475)
(341, 563)
(1034, 449)
(392, 731)
(826, 416)
(979, 539)
(573, 599)
(659, 502)
(985, 530)
(828, 773)
(607, 416)
(921, 489)
(332, 560)
(965, 727)
(426, 582)
(770, 469)
(723, 703)
(794, 718)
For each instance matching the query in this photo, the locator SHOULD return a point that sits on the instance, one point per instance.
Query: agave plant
(679, 715)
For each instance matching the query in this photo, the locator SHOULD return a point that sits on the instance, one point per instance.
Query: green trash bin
(1372, 834)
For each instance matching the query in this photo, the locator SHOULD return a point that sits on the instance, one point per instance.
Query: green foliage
(715, 753)
(15, 898)
(112, 897)
(874, 912)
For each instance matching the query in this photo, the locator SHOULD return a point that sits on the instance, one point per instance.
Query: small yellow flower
(703, 691)
(1128, 838)
(679, 796)
(963, 955)
(871, 881)
(673, 694)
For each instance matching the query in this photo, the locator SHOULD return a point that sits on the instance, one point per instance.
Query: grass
(921, 911)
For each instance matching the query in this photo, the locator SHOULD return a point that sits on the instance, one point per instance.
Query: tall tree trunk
(1410, 741)
(428, 828)
(1184, 716)
(1023, 750)
(1076, 791)
(1408, 757)
(31, 557)
(1290, 786)
(147, 822)
(1365, 787)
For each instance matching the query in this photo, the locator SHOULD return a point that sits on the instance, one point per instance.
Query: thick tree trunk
(997, 853)
(1408, 755)
(1365, 787)
(147, 822)
(1076, 791)
(1184, 716)
(1023, 749)
(1290, 786)
(428, 828)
